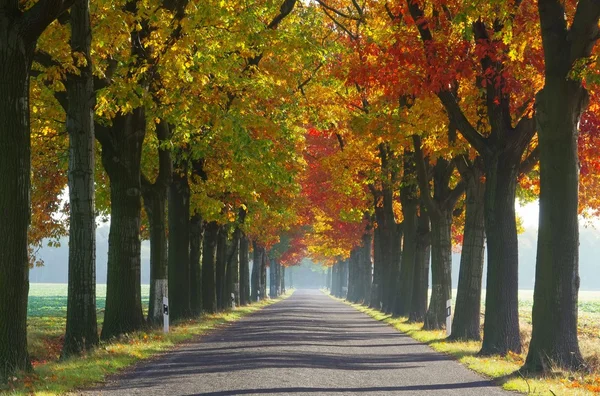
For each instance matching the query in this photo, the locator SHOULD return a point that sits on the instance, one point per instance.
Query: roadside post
(165, 314)
(448, 318)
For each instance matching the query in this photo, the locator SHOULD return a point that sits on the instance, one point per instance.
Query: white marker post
(166, 314)
(448, 317)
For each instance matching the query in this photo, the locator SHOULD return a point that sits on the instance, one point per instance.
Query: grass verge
(52, 376)
(502, 369)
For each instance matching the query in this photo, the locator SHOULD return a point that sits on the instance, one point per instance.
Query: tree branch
(423, 178)
(36, 19)
(584, 30)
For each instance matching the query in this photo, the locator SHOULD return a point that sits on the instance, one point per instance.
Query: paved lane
(308, 344)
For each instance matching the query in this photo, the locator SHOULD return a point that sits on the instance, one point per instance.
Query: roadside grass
(505, 369)
(52, 376)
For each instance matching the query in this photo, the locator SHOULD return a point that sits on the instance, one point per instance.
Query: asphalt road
(308, 344)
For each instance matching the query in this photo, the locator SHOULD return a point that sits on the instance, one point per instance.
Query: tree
(440, 206)
(21, 28)
(501, 148)
(82, 329)
(559, 106)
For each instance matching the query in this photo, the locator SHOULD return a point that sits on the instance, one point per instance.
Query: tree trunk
(155, 202)
(19, 30)
(501, 328)
(82, 328)
(375, 298)
(179, 246)
(467, 312)
(282, 276)
(273, 279)
(555, 310)
(263, 274)
(441, 270)
(244, 271)
(221, 268)
(410, 203)
(353, 275)
(15, 169)
(256, 267)
(209, 262)
(196, 236)
(233, 269)
(366, 266)
(121, 157)
(418, 307)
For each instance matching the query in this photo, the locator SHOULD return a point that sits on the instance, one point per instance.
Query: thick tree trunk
(15, 167)
(418, 307)
(441, 270)
(282, 276)
(554, 340)
(82, 328)
(179, 247)
(155, 203)
(121, 157)
(209, 262)
(467, 312)
(353, 275)
(501, 328)
(375, 298)
(232, 274)
(196, 236)
(335, 280)
(263, 274)
(256, 265)
(410, 203)
(244, 271)
(273, 279)
(366, 265)
(221, 268)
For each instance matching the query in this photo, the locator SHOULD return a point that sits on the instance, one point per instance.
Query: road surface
(308, 344)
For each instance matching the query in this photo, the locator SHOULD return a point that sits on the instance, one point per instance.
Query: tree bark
(257, 259)
(410, 203)
(221, 268)
(233, 270)
(273, 279)
(366, 265)
(179, 246)
(559, 106)
(418, 307)
(209, 262)
(441, 270)
(82, 328)
(19, 31)
(375, 298)
(282, 276)
(467, 312)
(353, 275)
(155, 203)
(244, 271)
(121, 157)
(196, 236)
(501, 327)
(439, 206)
(263, 274)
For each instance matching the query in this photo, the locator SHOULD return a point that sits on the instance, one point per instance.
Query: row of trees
(295, 129)
(454, 110)
(195, 120)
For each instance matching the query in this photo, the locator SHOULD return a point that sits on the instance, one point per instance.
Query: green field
(50, 299)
